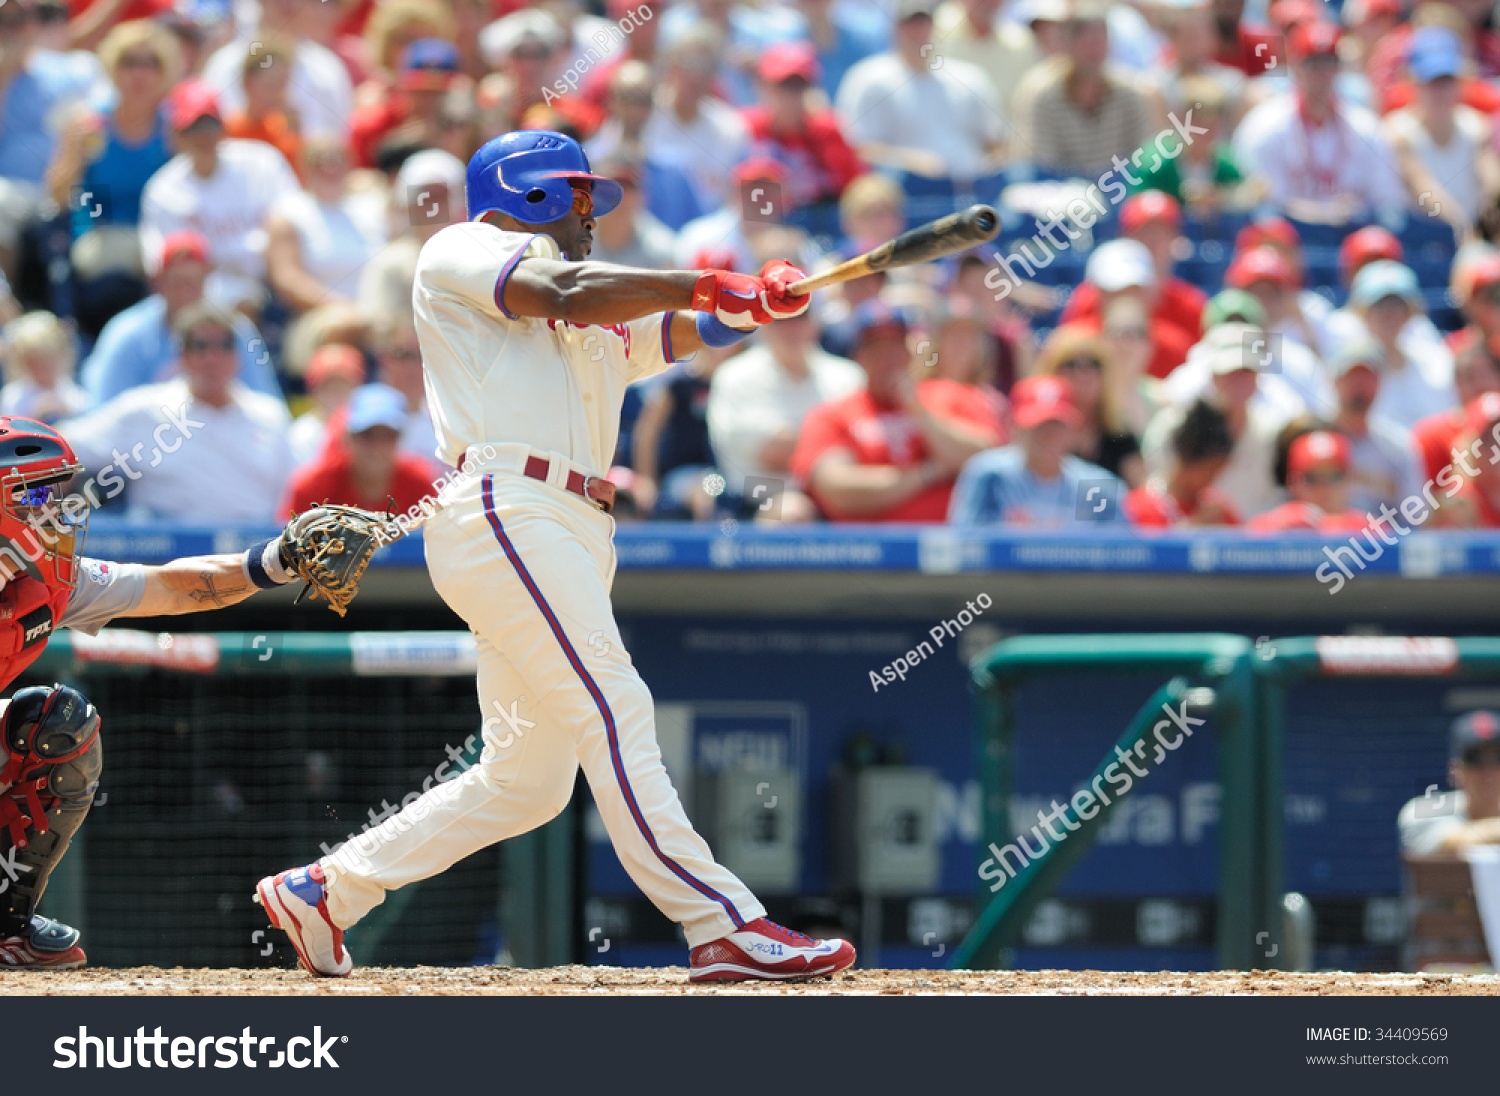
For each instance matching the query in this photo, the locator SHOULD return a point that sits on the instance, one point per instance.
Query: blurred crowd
(1244, 275)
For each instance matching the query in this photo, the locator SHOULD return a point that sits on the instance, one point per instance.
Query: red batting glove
(778, 274)
(735, 300)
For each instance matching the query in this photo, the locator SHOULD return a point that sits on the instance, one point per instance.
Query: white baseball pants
(529, 568)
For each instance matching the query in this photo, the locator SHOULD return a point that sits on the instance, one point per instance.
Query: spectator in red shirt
(1307, 310)
(810, 143)
(1317, 479)
(1469, 483)
(1266, 275)
(369, 470)
(892, 451)
(1185, 493)
(428, 69)
(1123, 268)
(1435, 438)
(1155, 219)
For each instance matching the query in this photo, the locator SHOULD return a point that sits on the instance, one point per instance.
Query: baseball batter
(527, 349)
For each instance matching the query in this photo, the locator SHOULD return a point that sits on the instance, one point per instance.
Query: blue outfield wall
(1106, 547)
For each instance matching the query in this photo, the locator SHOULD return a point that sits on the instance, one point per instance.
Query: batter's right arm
(603, 293)
(595, 293)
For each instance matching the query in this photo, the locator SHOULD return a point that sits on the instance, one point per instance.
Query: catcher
(50, 750)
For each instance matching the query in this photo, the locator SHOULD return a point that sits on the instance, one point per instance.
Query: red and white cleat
(297, 903)
(45, 945)
(765, 950)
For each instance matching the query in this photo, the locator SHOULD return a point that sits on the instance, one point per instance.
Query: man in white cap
(1228, 354)
(428, 195)
(1125, 267)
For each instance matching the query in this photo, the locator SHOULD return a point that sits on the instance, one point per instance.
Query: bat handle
(807, 285)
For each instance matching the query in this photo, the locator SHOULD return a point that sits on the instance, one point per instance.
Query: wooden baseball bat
(944, 236)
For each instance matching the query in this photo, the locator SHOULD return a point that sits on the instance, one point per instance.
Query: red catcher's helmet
(35, 461)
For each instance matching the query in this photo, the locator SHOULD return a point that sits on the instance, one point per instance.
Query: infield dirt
(625, 981)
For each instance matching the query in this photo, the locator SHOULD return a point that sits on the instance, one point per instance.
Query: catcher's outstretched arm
(193, 584)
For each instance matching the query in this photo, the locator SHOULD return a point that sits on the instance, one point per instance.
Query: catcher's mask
(37, 536)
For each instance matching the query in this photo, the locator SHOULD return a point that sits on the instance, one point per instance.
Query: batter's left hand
(778, 275)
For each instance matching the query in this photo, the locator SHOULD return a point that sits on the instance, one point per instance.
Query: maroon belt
(598, 491)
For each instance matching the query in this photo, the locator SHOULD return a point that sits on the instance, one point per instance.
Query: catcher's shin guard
(53, 757)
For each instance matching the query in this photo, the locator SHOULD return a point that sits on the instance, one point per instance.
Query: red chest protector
(29, 612)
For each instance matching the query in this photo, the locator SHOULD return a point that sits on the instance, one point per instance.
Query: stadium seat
(1222, 228)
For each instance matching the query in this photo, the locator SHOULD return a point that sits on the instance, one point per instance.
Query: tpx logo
(760, 201)
(36, 626)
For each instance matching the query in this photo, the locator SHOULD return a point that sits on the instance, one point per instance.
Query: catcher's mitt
(330, 547)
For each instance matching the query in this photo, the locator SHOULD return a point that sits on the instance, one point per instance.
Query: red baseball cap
(788, 59)
(1147, 206)
(335, 360)
(186, 244)
(1268, 230)
(1314, 39)
(1482, 411)
(1290, 13)
(760, 167)
(190, 100)
(1368, 244)
(1035, 400)
(1318, 447)
(1260, 264)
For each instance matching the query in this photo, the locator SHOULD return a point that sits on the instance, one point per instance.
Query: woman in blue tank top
(105, 158)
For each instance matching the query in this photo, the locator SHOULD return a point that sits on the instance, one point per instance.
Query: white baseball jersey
(528, 567)
(494, 377)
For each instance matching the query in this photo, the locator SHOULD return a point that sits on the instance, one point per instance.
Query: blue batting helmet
(528, 175)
